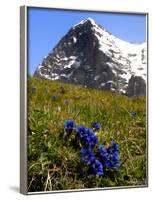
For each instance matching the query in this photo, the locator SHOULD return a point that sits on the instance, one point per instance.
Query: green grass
(55, 163)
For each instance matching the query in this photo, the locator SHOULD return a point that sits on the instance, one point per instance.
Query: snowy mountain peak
(90, 55)
(88, 20)
(91, 20)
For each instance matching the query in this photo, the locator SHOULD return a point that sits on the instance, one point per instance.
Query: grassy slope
(53, 163)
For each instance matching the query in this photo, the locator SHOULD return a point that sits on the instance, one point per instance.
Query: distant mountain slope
(91, 56)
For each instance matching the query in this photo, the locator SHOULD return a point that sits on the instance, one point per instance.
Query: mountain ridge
(90, 55)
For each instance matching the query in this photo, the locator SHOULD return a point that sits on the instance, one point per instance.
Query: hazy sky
(47, 26)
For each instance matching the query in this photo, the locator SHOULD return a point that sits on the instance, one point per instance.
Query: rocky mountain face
(91, 56)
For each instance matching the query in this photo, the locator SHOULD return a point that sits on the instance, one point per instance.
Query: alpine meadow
(86, 102)
(55, 161)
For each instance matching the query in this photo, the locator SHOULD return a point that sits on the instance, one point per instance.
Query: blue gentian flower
(86, 136)
(96, 126)
(113, 149)
(81, 132)
(94, 155)
(90, 132)
(97, 167)
(87, 156)
(102, 154)
(113, 152)
(69, 126)
(113, 161)
(91, 139)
